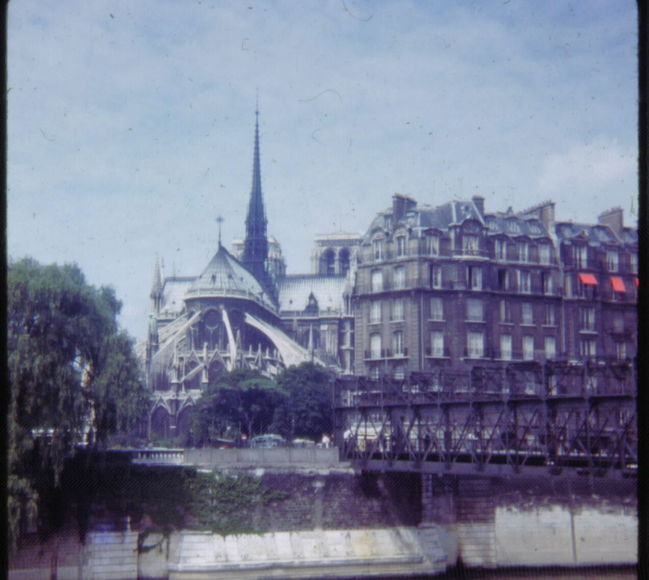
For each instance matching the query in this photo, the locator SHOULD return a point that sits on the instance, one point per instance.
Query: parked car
(267, 441)
(302, 443)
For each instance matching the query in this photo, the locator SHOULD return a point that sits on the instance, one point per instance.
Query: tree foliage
(242, 400)
(307, 410)
(68, 364)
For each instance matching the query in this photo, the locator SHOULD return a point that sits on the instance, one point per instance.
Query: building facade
(427, 289)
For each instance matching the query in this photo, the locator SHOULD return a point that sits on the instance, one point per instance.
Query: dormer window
(470, 245)
(612, 261)
(512, 227)
(579, 254)
(432, 245)
(377, 248)
(544, 253)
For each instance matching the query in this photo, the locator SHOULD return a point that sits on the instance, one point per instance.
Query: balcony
(384, 354)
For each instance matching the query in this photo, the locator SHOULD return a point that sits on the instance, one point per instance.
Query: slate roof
(294, 292)
(226, 276)
(173, 293)
(594, 234)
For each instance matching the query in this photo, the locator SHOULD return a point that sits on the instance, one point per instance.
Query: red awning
(588, 279)
(637, 282)
(618, 284)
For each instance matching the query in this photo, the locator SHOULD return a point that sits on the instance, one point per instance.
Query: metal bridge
(558, 418)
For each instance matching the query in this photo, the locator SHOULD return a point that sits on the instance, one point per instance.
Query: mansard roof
(225, 276)
(594, 234)
(514, 225)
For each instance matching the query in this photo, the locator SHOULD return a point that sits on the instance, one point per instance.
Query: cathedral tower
(255, 251)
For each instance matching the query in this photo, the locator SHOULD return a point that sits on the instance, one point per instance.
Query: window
(587, 347)
(436, 308)
(618, 322)
(377, 248)
(375, 311)
(506, 346)
(579, 254)
(503, 279)
(527, 313)
(524, 282)
(399, 277)
(544, 253)
(437, 343)
(474, 277)
(620, 350)
(434, 276)
(474, 310)
(401, 245)
(612, 261)
(399, 372)
(397, 309)
(549, 319)
(633, 263)
(505, 311)
(500, 248)
(528, 347)
(470, 245)
(475, 344)
(432, 245)
(397, 342)
(568, 285)
(374, 373)
(523, 252)
(550, 347)
(587, 318)
(547, 286)
(375, 345)
(377, 280)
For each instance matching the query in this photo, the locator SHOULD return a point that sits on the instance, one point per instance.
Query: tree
(307, 410)
(241, 399)
(70, 369)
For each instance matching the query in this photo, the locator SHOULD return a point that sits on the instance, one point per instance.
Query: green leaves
(66, 360)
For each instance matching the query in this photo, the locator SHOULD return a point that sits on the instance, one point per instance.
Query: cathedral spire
(255, 251)
(156, 286)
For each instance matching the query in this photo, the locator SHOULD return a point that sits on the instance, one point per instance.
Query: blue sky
(130, 123)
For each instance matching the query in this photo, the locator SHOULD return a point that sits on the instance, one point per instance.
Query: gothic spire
(255, 251)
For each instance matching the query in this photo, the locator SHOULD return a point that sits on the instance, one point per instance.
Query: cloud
(602, 164)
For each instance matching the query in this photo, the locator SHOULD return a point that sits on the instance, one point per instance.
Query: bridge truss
(555, 418)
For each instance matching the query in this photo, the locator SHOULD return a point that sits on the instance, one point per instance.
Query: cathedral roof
(226, 276)
(294, 292)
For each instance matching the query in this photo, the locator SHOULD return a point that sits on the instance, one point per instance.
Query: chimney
(546, 214)
(401, 204)
(478, 200)
(613, 218)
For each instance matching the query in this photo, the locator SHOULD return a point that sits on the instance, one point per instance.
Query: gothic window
(343, 257)
(550, 347)
(527, 313)
(398, 309)
(401, 246)
(437, 343)
(474, 310)
(528, 347)
(506, 346)
(397, 342)
(377, 281)
(328, 265)
(399, 277)
(375, 311)
(436, 308)
(475, 344)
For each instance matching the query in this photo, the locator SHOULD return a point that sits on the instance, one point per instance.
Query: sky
(130, 123)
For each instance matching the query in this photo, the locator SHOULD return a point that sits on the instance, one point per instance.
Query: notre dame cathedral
(427, 289)
(244, 311)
